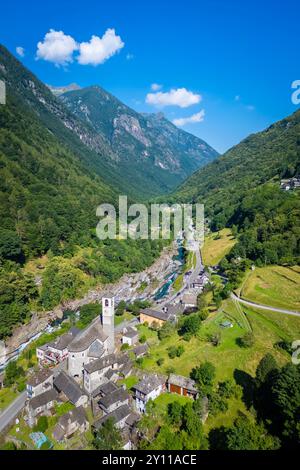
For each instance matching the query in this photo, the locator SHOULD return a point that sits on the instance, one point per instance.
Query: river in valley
(122, 291)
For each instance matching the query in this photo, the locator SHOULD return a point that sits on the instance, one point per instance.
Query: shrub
(42, 424)
(191, 324)
(246, 341)
(166, 331)
(180, 350)
(124, 347)
(143, 339)
(160, 361)
(215, 339)
(203, 314)
(172, 352)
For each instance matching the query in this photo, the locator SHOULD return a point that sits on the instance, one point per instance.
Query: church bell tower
(108, 320)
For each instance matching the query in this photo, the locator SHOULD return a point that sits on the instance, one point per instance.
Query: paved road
(9, 414)
(12, 411)
(198, 267)
(264, 307)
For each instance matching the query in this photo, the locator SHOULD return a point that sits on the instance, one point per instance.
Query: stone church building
(94, 342)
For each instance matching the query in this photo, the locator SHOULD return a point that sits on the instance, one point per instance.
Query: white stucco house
(149, 388)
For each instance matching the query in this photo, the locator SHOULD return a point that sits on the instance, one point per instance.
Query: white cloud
(98, 50)
(20, 51)
(57, 47)
(156, 86)
(198, 117)
(176, 97)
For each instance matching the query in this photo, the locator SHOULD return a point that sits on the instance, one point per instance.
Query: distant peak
(59, 90)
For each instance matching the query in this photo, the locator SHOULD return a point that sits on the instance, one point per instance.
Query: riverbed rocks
(126, 288)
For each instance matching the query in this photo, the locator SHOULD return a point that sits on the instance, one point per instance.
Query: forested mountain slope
(241, 189)
(49, 191)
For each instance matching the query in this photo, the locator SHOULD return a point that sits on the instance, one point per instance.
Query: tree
(266, 365)
(203, 314)
(143, 339)
(180, 350)
(246, 435)
(204, 376)
(10, 245)
(285, 399)
(201, 302)
(108, 437)
(175, 413)
(192, 425)
(216, 403)
(246, 341)
(121, 308)
(166, 331)
(172, 352)
(191, 325)
(41, 425)
(227, 388)
(12, 373)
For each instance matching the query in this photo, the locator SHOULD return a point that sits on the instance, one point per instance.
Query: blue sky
(234, 59)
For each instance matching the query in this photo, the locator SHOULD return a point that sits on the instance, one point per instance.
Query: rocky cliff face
(156, 147)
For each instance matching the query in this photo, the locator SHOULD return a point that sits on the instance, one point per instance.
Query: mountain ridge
(158, 149)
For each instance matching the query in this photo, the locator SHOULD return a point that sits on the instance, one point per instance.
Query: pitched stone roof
(190, 298)
(119, 395)
(77, 415)
(62, 342)
(39, 377)
(182, 381)
(85, 338)
(156, 314)
(43, 399)
(101, 363)
(149, 383)
(105, 389)
(130, 332)
(126, 368)
(132, 419)
(117, 415)
(66, 384)
(110, 374)
(140, 349)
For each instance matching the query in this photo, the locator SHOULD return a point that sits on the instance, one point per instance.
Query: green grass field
(277, 286)
(216, 246)
(229, 358)
(7, 395)
(190, 263)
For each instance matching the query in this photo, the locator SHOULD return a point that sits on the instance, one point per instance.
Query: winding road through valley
(264, 307)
